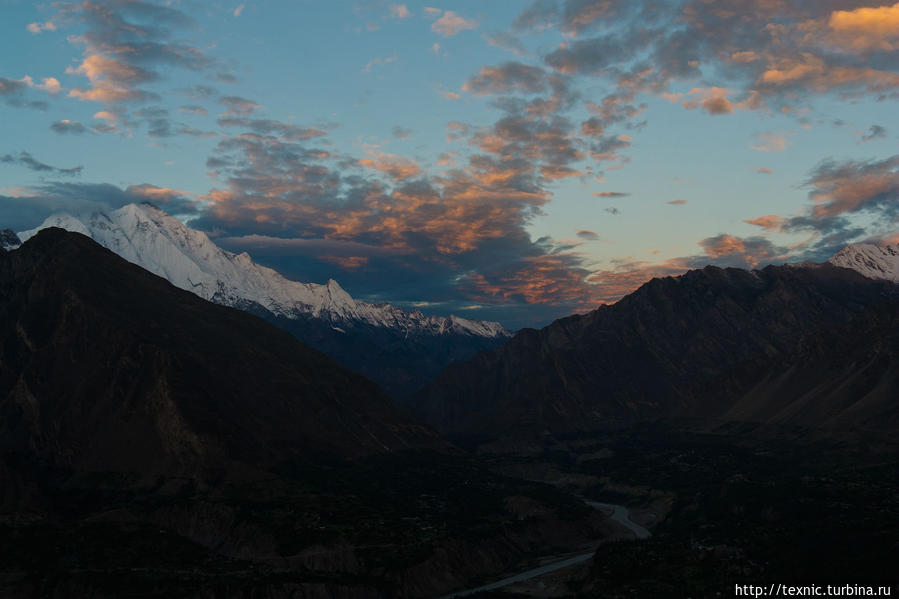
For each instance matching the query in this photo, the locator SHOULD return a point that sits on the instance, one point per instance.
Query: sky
(510, 161)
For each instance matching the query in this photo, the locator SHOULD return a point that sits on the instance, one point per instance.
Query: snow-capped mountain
(870, 260)
(147, 236)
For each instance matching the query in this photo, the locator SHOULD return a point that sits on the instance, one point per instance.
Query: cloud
(39, 27)
(238, 106)
(866, 29)
(764, 170)
(13, 93)
(125, 43)
(506, 41)
(33, 205)
(677, 202)
(399, 11)
(851, 187)
(457, 236)
(451, 24)
(588, 235)
(66, 126)
(396, 167)
(287, 131)
(611, 194)
(31, 163)
(508, 77)
(772, 141)
(771, 222)
(849, 201)
(239, 10)
(613, 211)
(400, 133)
(378, 62)
(194, 109)
(875, 132)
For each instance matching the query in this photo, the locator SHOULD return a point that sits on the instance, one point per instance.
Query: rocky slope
(702, 346)
(398, 349)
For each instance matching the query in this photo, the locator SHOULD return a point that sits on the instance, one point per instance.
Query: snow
(147, 236)
(870, 260)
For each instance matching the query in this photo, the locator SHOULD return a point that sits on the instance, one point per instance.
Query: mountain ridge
(678, 347)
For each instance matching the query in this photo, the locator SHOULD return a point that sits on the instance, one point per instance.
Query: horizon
(506, 163)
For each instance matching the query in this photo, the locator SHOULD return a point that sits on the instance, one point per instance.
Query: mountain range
(810, 345)
(399, 349)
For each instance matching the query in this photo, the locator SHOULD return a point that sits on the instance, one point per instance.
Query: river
(619, 513)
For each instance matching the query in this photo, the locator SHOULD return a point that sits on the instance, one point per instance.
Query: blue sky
(501, 160)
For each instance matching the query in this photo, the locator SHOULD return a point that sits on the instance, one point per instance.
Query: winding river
(618, 513)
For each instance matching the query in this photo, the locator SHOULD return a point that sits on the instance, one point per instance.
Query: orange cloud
(396, 167)
(769, 222)
(347, 262)
(867, 28)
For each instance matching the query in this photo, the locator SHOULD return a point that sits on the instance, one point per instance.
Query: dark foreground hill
(153, 444)
(811, 346)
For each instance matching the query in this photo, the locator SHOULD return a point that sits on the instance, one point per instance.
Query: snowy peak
(9, 240)
(870, 260)
(147, 236)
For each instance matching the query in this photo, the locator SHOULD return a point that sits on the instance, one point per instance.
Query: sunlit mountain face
(550, 298)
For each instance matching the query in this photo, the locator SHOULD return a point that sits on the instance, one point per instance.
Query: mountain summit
(400, 350)
(870, 260)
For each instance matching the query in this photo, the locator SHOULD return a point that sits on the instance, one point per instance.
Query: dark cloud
(400, 133)
(875, 132)
(12, 91)
(287, 131)
(588, 235)
(611, 194)
(32, 205)
(31, 163)
(397, 232)
(199, 92)
(851, 187)
(238, 106)
(613, 211)
(66, 126)
(11, 87)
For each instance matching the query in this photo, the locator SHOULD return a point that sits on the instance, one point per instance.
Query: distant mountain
(713, 344)
(872, 261)
(106, 367)
(400, 350)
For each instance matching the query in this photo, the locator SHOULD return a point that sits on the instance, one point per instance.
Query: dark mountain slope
(104, 366)
(843, 377)
(688, 347)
